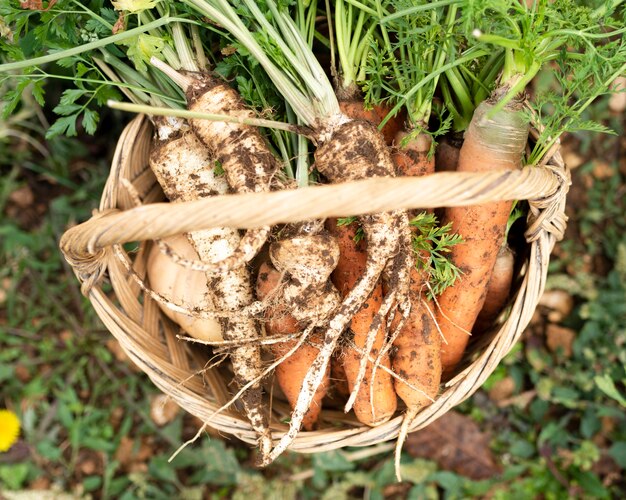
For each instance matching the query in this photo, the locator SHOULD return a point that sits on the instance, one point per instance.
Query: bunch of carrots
(251, 97)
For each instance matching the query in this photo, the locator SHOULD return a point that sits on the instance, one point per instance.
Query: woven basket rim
(88, 247)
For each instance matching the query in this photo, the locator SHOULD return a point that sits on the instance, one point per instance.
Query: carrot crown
(355, 30)
(420, 49)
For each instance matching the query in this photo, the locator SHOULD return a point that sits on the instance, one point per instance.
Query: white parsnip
(238, 150)
(184, 168)
(183, 285)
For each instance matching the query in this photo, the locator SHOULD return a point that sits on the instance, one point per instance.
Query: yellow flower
(9, 429)
(134, 6)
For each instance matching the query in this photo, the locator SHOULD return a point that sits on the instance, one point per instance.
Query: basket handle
(545, 186)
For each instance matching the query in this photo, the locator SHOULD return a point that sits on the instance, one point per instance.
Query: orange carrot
(355, 109)
(491, 143)
(411, 156)
(417, 357)
(352, 263)
(338, 380)
(447, 155)
(498, 290)
(446, 160)
(291, 372)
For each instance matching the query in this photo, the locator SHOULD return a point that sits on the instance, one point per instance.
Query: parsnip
(180, 163)
(184, 286)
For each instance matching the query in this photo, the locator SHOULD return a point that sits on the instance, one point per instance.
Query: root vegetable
(355, 150)
(308, 260)
(355, 108)
(292, 370)
(240, 150)
(411, 154)
(416, 360)
(180, 162)
(417, 347)
(498, 290)
(338, 379)
(447, 155)
(491, 143)
(352, 263)
(181, 285)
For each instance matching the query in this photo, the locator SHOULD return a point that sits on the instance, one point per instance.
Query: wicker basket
(176, 367)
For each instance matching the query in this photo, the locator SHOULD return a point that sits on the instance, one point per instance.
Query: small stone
(617, 101)
(163, 410)
(559, 302)
(603, 170)
(22, 197)
(559, 337)
(502, 389)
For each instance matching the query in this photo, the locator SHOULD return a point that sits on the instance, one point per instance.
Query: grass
(86, 415)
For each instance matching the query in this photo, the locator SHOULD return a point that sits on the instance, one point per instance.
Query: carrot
(491, 143)
(411, 154)
(355, 109)
(352, 263)
(498, 290)
(338, 379)
(446, 160)
(240, 151)
(417, 346)
(179, 161)
(417, 360)
(447, 154)
(352, 29)
(292, 370)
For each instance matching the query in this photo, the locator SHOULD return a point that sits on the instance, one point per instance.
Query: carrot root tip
(409, 416)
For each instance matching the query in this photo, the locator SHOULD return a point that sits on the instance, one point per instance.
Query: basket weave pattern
(177, 367)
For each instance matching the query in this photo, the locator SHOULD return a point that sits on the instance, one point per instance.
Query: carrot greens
(435, 241)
